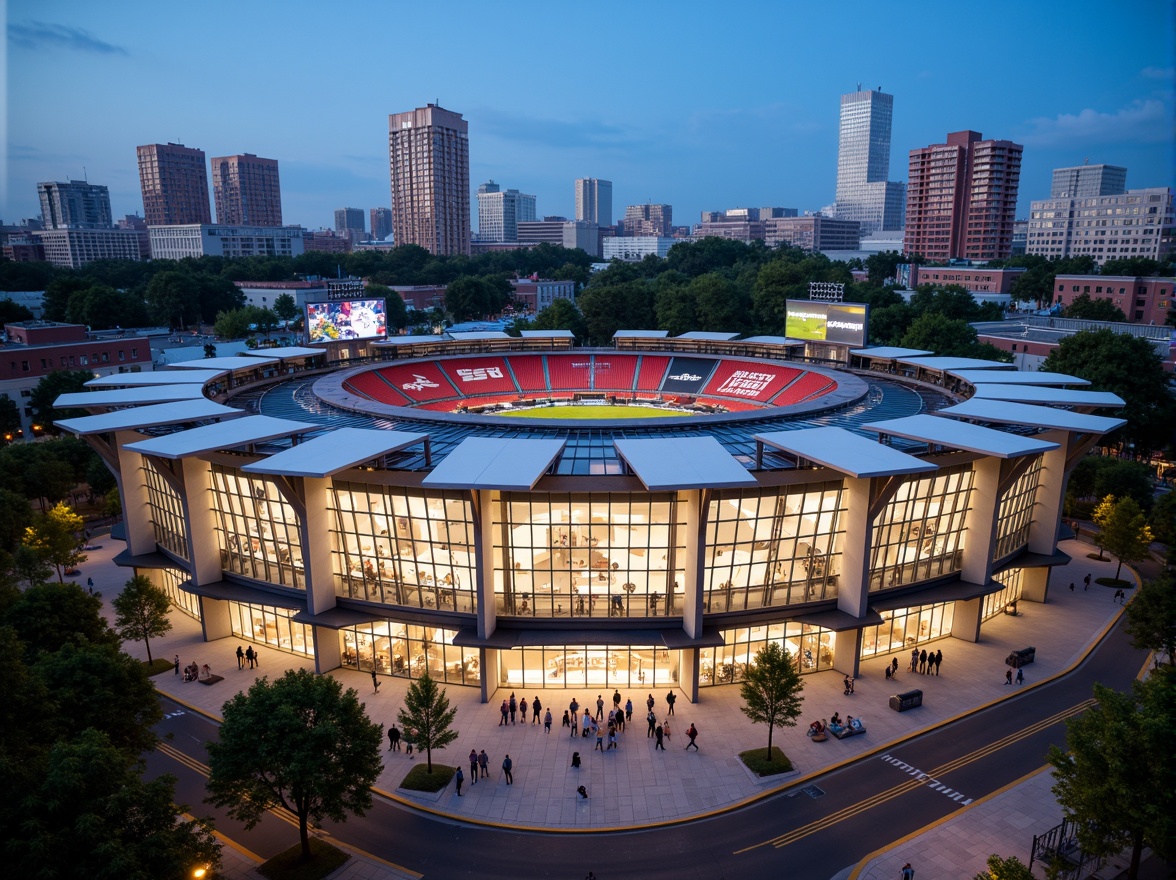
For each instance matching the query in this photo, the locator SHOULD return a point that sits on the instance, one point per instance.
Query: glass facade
(272, 626)
(403, 547)
(997, 603)
(408, 651)
(167, 512)
(258, 531)
(810, 646)
(1016, 512)
(171, 581)
(589, 555)
(920, 534)
(566, 666)
(772, 548)
(901, 630)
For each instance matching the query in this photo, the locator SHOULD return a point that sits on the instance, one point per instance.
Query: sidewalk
(695, 783)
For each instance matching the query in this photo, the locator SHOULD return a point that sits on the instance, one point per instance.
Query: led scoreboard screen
(827, 322)
(348, 319)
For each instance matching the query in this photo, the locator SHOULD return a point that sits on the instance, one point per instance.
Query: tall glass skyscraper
(863, 164)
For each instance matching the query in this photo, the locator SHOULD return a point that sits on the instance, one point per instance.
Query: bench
(212, 679)
(907, 700)
(847, 731)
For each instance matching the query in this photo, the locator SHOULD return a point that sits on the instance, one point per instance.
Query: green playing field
(591, 412)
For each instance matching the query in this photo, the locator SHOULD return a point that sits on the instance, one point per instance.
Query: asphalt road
(813, 831)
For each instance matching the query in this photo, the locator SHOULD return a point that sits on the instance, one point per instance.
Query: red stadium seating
(807, 387)
(570, 372)
(614, 372)
(652, 371)
(419, 381)
(372, 386)
(528, 373)
(475, 376)
(747, 380)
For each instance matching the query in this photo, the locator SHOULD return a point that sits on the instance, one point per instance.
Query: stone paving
(648, 787)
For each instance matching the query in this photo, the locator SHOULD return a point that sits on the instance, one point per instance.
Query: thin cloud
(1140, 121)
(1167, 74)
(556, 133)
(42, 36)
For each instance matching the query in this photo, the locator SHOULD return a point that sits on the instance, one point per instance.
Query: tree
(1084, 307)
(52, 386)
(1151, 618)
(882, 266)
(12, 311)
(395, 311)
(320, 758)
(233, 324)
(141, 612)
(56, 537)
(1125, 531)
(285, 307)
(771, 689)
(1163, 518)
(1135, 266)
(15, 517)
(1115, 780)
(9, 418)
(173, 298)
(1011, 868)
(467, 297)
(427, 714)
(562, 314)
(263, 320)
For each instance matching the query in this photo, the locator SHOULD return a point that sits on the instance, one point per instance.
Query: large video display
(349, 319)
(827, 322)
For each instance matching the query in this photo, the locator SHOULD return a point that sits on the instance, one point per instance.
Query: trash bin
(907, 700)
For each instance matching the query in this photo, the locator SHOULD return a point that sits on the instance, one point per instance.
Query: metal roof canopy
(1046, 395)
(474, 335)
(333, 452)
(409, 340)
(889, 352)
(707, 336)
(156, 377)
(954, 363)
(139, 417)
(1015, 377)
(503, 463)
(226, 435)
(226, 363)
(663, 463)
(1005, 413)
(129, 396)
(289, 351)
(846, 452)
(776, 340)
(961, 435)
(641, 334)
(547, 334)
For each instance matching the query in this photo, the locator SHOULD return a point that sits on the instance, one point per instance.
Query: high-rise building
(594, 201)
(962, 198)
(1088, 181)
(349, 222)
(429, 157)
(500, 212)
(649, 220)
(1135, 223)
(74, 205)
(174, 183)
(381, 223)
(863, 163)
(246, 190)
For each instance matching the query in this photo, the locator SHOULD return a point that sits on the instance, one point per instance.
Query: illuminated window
(167, 512)
(1006, 600)
(171, 581)
(1016, 512)
(809, 646)
(257, 530)
(903, 629)
(272, 626)
(409, 651)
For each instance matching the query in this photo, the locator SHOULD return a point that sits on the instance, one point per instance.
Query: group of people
(480, 769)
(193, 671)
(924, 662)
(510, 709)
(247, 655)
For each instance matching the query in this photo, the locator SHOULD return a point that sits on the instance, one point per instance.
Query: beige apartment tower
(429, 158)
(174, 183)
(246, 190)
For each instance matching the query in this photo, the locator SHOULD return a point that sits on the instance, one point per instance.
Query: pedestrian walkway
(645, 787)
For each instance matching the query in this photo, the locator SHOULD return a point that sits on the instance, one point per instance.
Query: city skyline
(761, 132)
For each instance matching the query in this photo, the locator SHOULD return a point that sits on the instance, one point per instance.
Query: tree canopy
(56, 537)
(1089, 309)
(771, 689)
(1125, 531)
(141, 612)
(428, 716)
(1151, 618)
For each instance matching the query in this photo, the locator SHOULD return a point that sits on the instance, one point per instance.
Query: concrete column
(316, 550)
(1035, 584)
(199, 504)
(214, 619)
(692, 604)
(847, 652)
(688, 673)
(132, 485)
(486, 656)
(965, 620)
(980, 521)
(854, 582)
(328, 654)
(1051, 492)
(484, 570)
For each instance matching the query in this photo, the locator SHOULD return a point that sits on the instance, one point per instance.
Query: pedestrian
(535, 709)
(393, 738)
(650, 702)
(523, 707)
(256, 657)
(409, 739)
(249, 655)
(582, 792)
(599, 707)
(923, 661)
(90, 585)
(240, 658)
(547, 722)
(671, 698)
(628, 708)
(575, 760)
(1020, 676)
(658, 734)
(474, 766)
(1086, 582)
(652, 719)
(599, 739)
(616, 699)
(574, 707)
(375, 682)
(620, 720)
(612, 737)
(886, 670)
(505, 712)
(692, 732)
(914, 660)
(848, 686)
(908, 873)
(938, 660)
(507, 766)
(177, 664)
(666, 728)
(1008, 676)
(459, 778)
(514, 707)
(1071, 586)
(484, 764)
(1122, 597)
(566, 721)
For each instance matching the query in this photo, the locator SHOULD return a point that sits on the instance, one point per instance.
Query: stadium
(391, 511)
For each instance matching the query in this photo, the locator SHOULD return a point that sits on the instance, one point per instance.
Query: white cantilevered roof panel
(641, 334)
(547, 334)
(1015, 377)
(664, 463)
(846, 452)
(226, 363)
(476, 335)
(504, 463)
(333, 452)
(954, 363)
(889, 352)
(1005, 413)
(288, 351)
(129, 396)
(707, 336)
(1044, 394)
(139, 417)
(156, 377)
(224, 435)
(951, 434)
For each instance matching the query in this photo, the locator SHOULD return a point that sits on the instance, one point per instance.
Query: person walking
(1008, 676)
(599, 707)
(652, 719)
(893, 667)
(599, 739)
(938, 660)
(650, 702)
(848, 686)
(914, 667)
(483, 764)
(546, 722)
(240, 657)
(616, 699)
(923, 661)
(474, 766)
(1086, 582)
(612, 737)
(393, 738)
(671, 698)
(908, 873)
(177, 664)
(536, 708)
(504, 711)
(514, 707)
(1020, 676)
(507, 766)
(582, 792)
(574, 708)
(458, 779)
(409, 739)
(523, 707)
(691, 733)
(375, 682)
(249, 655)
(628, 705)
(1071, 586)
(658, 734)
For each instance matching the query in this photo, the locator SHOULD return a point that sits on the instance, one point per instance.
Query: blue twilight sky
(703, 105)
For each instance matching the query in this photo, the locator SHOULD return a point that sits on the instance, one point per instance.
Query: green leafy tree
(467, 297)
(1125, 531)
(1151, 618)
(28, 567)
(48, 616)
(562, 314)
(1088, 309)
(427, 714)
(9, 419)
(1115, 779)
(882, 266)
(264, 320)
(285, 307)
(771, 689)
(1163, 518)
(999, 868)
(233, 324)
(98, 477)
(174, 299)
(15, 517)
(33, 470)
(56, 536)
(52, 386)
(721, 305)
(320, 758)
(1136, 266)
(12, 311)
(1123, 478)
(608, 308)
(141, 612)
(395, 311)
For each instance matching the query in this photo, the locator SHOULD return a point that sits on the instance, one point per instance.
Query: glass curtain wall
(600, 666)
(810, 647)
(1016, 512)
(170, 580)
(590, 555)
(167, 513)
(258, 531)
(920, 534)
(773, 548)
(404, 547)
(409, 651)
(903, 629)
(1006, 600)
(272, 626)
